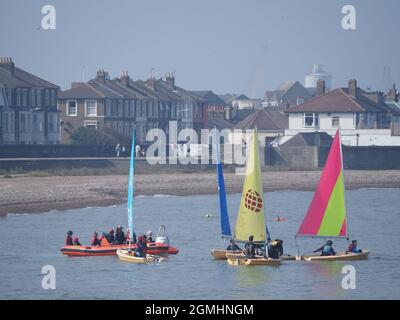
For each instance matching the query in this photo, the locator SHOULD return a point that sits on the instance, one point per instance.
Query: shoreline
(27, 194)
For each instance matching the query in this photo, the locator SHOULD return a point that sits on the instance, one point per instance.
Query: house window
(335, 122)
(39, 97)
(53, 97)
(51, 123)
(132, 108)
(311, 120)
(72, 109)
(91, 108)
(24, 97)
(108, 108)
(46, 97)
(22, 122)
(18, 94)
(5, 122)
(92, 124)
(126, 108)
(33, 98)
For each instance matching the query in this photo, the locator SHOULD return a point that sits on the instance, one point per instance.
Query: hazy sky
(227, 46)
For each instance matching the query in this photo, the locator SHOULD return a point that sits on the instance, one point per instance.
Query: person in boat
(69, 241)
(76, 242)
(149, 236)
(110, 236)
(275, 249)
(141, 248)
(353, 247)
(119, 235)
(250, 248)
(95, 239)
(128, 236)
(233, 246)
(326, 249)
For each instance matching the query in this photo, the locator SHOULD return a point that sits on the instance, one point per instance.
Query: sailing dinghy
(326, 215)
(220, 254)
(251, 216)
(127, 254)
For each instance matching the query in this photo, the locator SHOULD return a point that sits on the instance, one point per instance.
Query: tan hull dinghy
(233, 255)
(222, 254)
(129, 256)
(243, 261)
(339, 256)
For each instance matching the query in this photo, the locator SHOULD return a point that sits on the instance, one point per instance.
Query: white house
(363, 117)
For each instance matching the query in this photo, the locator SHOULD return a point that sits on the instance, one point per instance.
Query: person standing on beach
(118, 149)
(137, 151)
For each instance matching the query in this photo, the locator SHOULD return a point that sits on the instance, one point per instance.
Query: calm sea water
(27, 242)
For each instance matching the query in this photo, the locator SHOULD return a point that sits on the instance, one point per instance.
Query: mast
(223, 208)
(344, 186)
(131, 186)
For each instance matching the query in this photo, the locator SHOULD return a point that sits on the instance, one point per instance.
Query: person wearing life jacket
(69, 241)
(233, 246)
(119, 235)
(76, 242)
(275, 249)
(149, 236)
(250, 248)
(95, 239)
(141, 248)
(326, 249)
(353, 247)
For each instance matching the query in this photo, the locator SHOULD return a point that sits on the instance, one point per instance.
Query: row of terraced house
(35, 111)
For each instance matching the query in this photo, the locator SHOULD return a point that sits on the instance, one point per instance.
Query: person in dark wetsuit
(275, 249)
(149, 236)
(326, 249)
(233, 246)
(110, 236)
(119, 235)
(250, 248)
(95, 239)
(76, 242)
(69, 241)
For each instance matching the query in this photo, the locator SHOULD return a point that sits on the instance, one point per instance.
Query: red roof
(334, 101)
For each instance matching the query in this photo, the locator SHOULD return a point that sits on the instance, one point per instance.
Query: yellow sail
(251, 218)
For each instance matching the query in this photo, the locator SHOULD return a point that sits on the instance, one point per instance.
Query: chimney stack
(320, 87)
(7, 63)
(125, 78)
(170, 80)
(353, 88)
(101, 76)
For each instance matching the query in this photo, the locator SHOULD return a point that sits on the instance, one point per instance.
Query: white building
(363, 117)
(317, 73)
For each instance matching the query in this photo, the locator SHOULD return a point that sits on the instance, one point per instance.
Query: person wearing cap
(353, 247)
(119, 235)
(326, 249)
(95, 239)
(76, 242)
(149, 236)
(233, 246)
(68, 240)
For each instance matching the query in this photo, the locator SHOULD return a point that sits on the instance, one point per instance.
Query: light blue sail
(131, 186)
(225, 226)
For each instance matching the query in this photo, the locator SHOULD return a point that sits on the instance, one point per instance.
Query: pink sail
(326, 216)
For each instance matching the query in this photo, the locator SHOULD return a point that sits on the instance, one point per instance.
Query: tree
(99, 137)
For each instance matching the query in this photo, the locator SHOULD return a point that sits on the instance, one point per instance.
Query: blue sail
(131, 186)
(225, 226)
